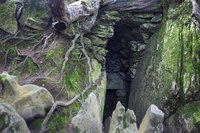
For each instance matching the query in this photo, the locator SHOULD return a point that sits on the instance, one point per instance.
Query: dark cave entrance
(125, 50)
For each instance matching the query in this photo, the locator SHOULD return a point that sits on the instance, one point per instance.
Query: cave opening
(125, 50)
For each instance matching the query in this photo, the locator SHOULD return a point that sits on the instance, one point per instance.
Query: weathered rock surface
(160, 67)
(88, 118)
(123, 122)
(114, 81)
(152, 121)
(185, 120)
(28, 100)
(11, 121)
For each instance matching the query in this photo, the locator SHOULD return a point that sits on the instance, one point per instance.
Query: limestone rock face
(28, 100)
(11, 121)
(88, 118)
(123, 122)
(152, 121)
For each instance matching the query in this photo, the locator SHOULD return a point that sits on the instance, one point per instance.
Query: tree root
(68, 103)
(20, 64)
(67, 56)
(46, 41)
(13, 38)
(39, 42)
(6, 59)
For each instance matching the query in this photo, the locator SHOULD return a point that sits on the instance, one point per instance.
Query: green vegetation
(191, 112)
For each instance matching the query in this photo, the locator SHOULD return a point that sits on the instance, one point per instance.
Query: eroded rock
(11, 121)
(123, 122)
(28, 100)
(88, 118)
(152, 121)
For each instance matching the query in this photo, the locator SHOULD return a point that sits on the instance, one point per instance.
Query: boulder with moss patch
(11, 121)
(28, 100)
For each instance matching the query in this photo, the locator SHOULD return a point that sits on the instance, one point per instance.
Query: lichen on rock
(29, 100)
(11, 121)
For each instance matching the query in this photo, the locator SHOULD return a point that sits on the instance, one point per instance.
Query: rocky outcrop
(125, 50)
(11, 121)
(88, 119)
(29, 100)
(152, 121)
(186, 119)
(168, 74)
(122, 121)
(172, 57)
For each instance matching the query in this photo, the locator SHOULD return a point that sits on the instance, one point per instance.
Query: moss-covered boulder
(29, 100)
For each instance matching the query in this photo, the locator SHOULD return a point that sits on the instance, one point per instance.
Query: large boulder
(123, 122)
(11, 121)
(88, 118)
(28, 100)
(168, 74)
(152, 121)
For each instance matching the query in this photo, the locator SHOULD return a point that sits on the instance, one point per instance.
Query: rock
(144, 15)
(149, 27)
(185, 120)
(136, 46)
(88, 118)
(157, 18)
(11, 121)
(123, 122)
(114, 81)
(29, 100)
(177, 124)
(152, 121)
(103, 31)
(107, 125)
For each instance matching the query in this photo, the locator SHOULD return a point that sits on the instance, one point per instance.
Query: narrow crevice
(125, 50)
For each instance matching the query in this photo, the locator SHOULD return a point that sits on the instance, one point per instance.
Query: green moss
(7, 15)
(191, 112)
(59, 120)
(96, 70)
(30, 67)
(72, 29)
(172, 57)
(56, 54)
(101, 90)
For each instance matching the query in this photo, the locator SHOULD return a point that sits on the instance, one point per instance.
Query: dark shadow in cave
(125, 50)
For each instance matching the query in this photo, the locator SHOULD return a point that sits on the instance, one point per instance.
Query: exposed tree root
(6, 59)
(14, 38)
(19, 65)
(46, 41)
(39, 42)
(67, 55)
(68, 103)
